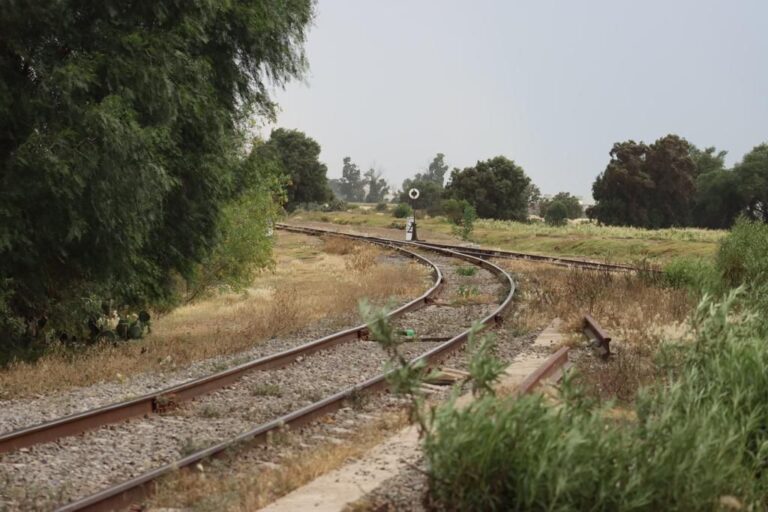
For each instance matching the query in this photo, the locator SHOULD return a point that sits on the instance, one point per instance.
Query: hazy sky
(549, 84)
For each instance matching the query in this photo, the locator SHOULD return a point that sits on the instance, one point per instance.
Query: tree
(430, 194)
(571, 203)
(708, 159)
(556, 213)
(436, 170)
(300, 159)
(718, 200)
(497, 188)
(649, 186)
(377, 187)
(351, 185)
(752, 176)
(534, 199)
(120, 137)
(429, 184)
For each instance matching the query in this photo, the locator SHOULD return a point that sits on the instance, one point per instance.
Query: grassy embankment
(618, 244)
(304, 288)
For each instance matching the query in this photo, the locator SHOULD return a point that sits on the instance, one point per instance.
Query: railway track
(485, 253)
(161, 403)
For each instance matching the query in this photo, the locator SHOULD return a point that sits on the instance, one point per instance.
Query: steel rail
(167, 398)
(126, 493)
(481, 252)
(593, 330)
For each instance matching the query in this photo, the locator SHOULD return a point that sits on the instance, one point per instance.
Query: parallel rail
(485, 253)
(163, 399)
(126, 493)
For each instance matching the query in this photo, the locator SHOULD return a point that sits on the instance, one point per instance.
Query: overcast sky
(549, 84)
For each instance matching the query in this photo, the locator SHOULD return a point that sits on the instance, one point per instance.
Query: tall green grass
(699, 438)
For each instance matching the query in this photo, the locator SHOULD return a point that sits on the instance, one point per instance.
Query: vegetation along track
(77, 466)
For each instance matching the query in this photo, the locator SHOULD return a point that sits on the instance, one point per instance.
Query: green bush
(453, 209)
(556, 214)
(699, 438)
(697, 274)
(743, 254)
(402, 211)
(467, 271)
(381, 207)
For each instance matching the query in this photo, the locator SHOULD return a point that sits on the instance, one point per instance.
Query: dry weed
(635, 311)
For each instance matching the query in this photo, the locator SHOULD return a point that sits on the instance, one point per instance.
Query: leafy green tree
(351, 184)
(534, 199)
(556, 213)
(430, 186)
(377, 187)
(752, 176)
(649, 186)
(707, 159)
(430, 194)
(436, 170)
(300, 159)
(497, 188)
(120, 137)
(718, 200)
(572, 205)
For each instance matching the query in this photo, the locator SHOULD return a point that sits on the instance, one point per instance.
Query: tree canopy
(497, 188)
(121, 140)
(644, 185)
(377, 186)
(573, 209)
(351, 185)
(300, 159)
(429, 184)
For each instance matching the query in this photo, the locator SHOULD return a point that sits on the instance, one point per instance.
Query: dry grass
(239, 486)
(308, 285)
(635, 311)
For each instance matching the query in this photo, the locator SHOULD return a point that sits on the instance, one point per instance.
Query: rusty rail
(124, 494)
(157, 401)
(550, 367)
(593, 330)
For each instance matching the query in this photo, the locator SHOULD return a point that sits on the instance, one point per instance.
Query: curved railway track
(163, 399)
(123, 494)
(483, 253)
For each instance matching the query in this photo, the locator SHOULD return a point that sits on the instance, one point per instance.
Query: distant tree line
(673, 183)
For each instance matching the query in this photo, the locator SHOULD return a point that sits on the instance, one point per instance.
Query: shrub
(453, 209)
(381, 207)
(697, 441)
(694, 273)
(467, 271)
(742, 255)
(688, 448)
(466, 225)
(402, 211)
(556, 214)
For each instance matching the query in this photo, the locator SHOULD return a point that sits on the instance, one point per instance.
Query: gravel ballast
(55, 473)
